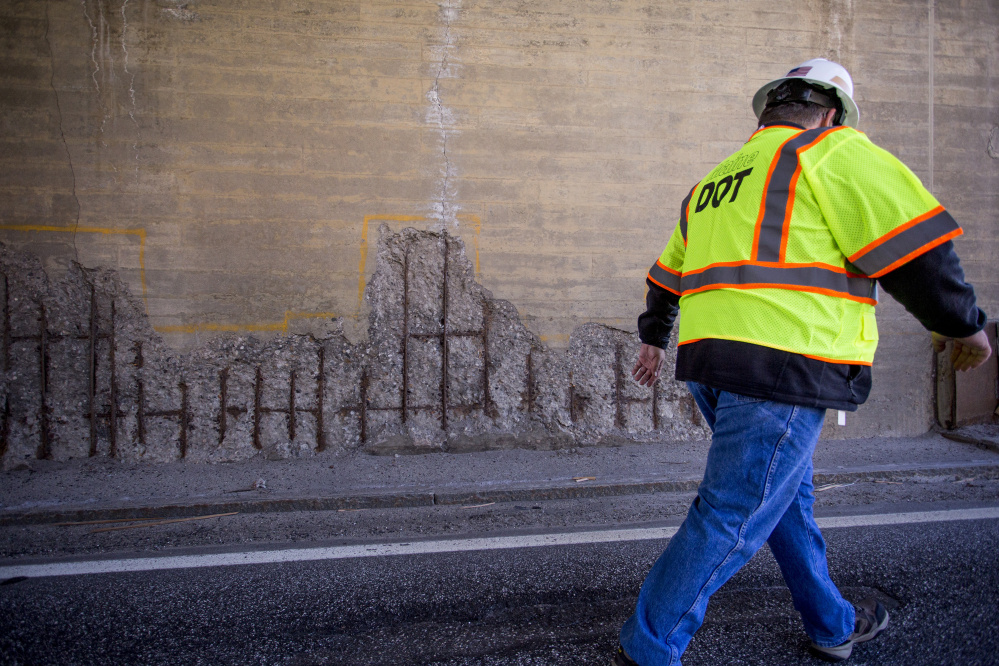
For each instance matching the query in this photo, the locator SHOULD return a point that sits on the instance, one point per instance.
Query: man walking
(775, 266)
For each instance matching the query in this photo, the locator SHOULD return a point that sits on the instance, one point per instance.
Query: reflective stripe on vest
(770, 239)
(684, 211)
(817, 278)
(665, 277)
(911, 239)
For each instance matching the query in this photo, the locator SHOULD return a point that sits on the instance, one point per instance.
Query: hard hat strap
(801, 91)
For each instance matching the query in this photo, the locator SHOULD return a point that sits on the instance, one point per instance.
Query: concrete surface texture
(234, 165)
(446, 368)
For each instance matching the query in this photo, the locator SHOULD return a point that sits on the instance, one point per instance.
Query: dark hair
(800, 102)
(799, 113)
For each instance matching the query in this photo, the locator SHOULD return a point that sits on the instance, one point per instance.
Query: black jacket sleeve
(656, 323)
(932, 288)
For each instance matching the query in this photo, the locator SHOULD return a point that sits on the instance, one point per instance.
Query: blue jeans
(757, 487)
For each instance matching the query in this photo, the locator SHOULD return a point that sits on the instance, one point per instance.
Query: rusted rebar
(45, 445)
(257, 390)
(223, 402)
(320, 393)
(113, 408)
(405, 334)
(92, 366)
(291, 407)
(140, 412)
(444, 338)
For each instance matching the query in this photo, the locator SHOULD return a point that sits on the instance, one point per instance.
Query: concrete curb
(395, 500)
(987, 443)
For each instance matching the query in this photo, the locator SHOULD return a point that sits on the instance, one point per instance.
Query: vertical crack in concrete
(62, 134)
(841, 19)
(131, 85)
(95, 35)
(836, 33)
(444, 119)
(110, 105)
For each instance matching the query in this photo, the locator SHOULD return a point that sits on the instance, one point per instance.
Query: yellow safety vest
(780, 244)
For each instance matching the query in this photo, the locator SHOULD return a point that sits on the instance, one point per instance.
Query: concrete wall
(234, 160)
(446, 368)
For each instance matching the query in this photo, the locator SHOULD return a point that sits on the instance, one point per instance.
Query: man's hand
(968, 353)
(649, 365)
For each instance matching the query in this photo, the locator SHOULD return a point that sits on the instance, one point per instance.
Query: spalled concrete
(445, 368)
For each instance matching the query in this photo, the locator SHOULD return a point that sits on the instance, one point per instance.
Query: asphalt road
(533, 605)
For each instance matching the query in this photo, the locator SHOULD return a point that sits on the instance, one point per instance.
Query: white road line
(444, 546)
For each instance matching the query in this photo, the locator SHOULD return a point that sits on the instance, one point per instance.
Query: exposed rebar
(444, 340)
(320, 392)
(291, 407)
(405, 333)
(113, 408)
(257, 388)
(223, 402)
(140, 413)
(92, 365)
(618, 389)
(184, 420)
(45, 446)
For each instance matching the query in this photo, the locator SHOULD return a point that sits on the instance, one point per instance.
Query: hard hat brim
(851, 114)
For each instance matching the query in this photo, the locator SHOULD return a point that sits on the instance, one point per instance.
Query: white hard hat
(823, 73)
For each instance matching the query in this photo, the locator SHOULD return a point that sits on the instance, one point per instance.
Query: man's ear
(827, 118)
